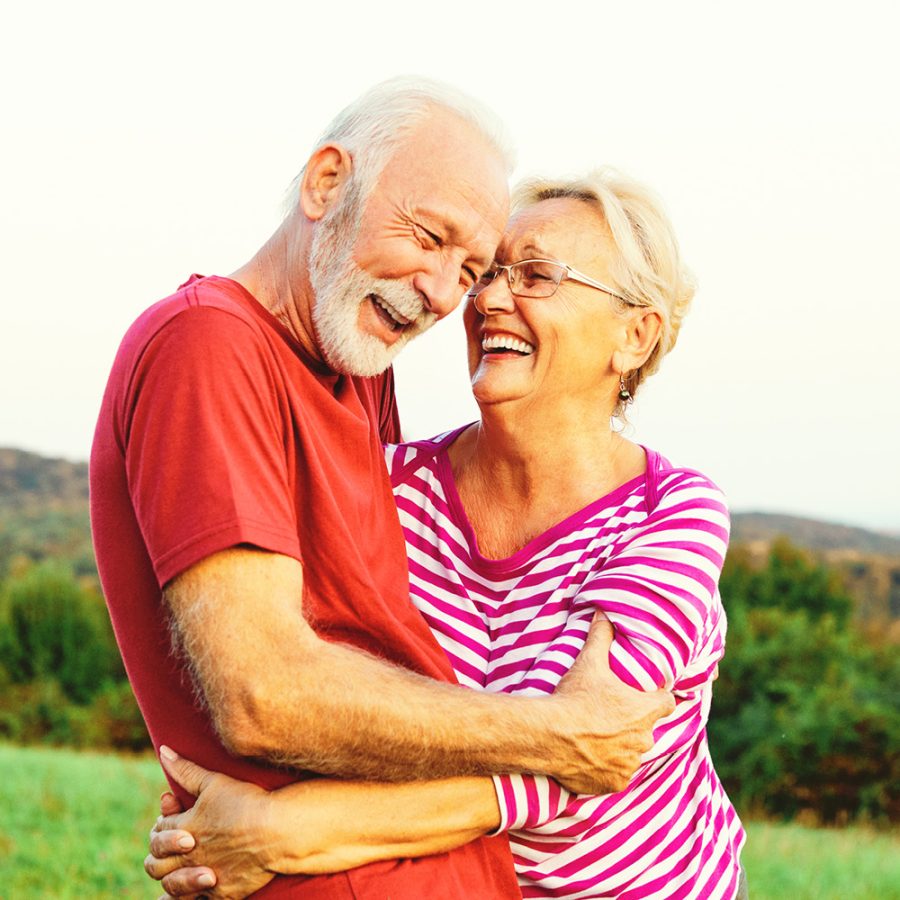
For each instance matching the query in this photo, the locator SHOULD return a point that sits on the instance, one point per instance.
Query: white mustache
(405, 299)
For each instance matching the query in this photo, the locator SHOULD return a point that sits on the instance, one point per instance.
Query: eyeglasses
(539, 278)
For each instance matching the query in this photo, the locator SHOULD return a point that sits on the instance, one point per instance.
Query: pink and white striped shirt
(648, 555)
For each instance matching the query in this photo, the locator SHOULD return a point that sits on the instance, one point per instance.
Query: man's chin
(363, 356)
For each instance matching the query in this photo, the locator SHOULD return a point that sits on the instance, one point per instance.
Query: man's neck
(277, 277)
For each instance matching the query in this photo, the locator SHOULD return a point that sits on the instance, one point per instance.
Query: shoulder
(208, 303)
(405, 459)
(205, 323)
(684, 493)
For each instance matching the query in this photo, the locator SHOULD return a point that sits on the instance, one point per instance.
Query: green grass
(74, 825)
(798, 863)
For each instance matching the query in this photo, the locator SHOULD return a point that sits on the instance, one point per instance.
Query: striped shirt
(648, 555)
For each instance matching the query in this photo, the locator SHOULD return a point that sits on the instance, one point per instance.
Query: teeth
(506, 342)
(400, 320)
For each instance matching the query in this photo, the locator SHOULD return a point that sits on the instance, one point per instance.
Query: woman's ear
(641, 335)
(327, 170)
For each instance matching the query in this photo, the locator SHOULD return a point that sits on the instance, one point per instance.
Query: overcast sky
(143, 143)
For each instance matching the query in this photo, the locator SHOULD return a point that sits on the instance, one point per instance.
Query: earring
(624, 393)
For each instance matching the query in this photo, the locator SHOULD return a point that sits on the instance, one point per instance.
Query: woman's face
(555, 349)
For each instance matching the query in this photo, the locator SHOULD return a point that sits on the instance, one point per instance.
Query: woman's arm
(244, 835)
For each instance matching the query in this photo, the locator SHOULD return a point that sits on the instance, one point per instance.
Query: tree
(53, 628)
(805, 714)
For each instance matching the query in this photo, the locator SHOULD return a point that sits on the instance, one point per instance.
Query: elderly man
(237, 470)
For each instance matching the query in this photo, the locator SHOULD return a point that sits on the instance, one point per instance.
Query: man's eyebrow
(453, 235)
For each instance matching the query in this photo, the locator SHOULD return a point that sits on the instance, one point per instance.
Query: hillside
(43, 511)
(812, 534)
(869, 561)
(44, 514)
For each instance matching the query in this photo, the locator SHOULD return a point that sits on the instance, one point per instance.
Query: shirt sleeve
(659, 587)
(529, 801)
(659, 590)
(204, 443)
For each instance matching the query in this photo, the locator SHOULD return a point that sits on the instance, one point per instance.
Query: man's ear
(641, 335)
(327, 170)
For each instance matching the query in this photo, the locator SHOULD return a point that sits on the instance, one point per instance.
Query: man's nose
(440, 287)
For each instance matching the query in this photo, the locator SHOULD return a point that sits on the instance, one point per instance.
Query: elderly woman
(519, 528)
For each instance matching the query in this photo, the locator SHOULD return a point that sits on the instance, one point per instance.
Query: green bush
(789, 580)
(805, 715)
(115, 721)
(41, 713)
(61, 677)
(52, 627)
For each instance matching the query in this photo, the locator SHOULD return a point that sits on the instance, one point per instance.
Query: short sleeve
(659, 587)
(204, 443)
(529, 801)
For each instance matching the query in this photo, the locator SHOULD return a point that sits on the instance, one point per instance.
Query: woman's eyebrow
(529, 251)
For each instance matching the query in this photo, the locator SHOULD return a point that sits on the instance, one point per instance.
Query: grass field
(75, 825)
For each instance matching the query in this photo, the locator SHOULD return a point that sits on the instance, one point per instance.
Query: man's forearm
(276, 690)
(347, 713)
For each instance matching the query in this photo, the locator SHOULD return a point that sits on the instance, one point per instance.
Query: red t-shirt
(216, 429)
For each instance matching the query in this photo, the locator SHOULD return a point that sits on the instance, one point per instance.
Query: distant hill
(868, 560)
(810, 533)
(43, 511)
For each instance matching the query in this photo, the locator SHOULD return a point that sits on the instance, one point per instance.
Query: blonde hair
(647, 268)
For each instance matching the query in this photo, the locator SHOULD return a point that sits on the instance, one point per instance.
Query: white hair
(647, 268)
(374, 125)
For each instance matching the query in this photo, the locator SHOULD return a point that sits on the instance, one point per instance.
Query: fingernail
(206, 880)
(186, 842)
(168, 753)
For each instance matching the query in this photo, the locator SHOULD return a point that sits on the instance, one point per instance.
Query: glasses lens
(536, 278)
(482, 282)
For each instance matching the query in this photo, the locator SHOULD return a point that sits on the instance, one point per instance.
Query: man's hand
(607, 725)
(226, 825)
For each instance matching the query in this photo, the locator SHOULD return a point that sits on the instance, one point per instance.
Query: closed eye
(471, 277)
(430, 237)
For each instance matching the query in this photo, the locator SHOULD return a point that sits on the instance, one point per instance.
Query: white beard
(341, 287)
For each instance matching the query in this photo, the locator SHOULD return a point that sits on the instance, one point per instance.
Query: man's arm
(278, 691)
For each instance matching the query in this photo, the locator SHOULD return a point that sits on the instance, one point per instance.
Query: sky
(146, 142)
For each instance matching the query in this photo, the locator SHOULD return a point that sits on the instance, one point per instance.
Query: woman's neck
(520, 471)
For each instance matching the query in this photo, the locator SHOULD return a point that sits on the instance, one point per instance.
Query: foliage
(43, 512)
(805, 716)
(790, 580)
(61, 676)
(54, 628)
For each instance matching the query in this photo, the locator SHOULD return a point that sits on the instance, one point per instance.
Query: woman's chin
(493, 392)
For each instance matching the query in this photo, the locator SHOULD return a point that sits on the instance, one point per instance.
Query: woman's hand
(216, 848)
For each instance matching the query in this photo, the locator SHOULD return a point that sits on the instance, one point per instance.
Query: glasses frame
(570, 274)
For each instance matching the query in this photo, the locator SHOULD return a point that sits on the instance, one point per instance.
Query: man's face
(386, 267)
